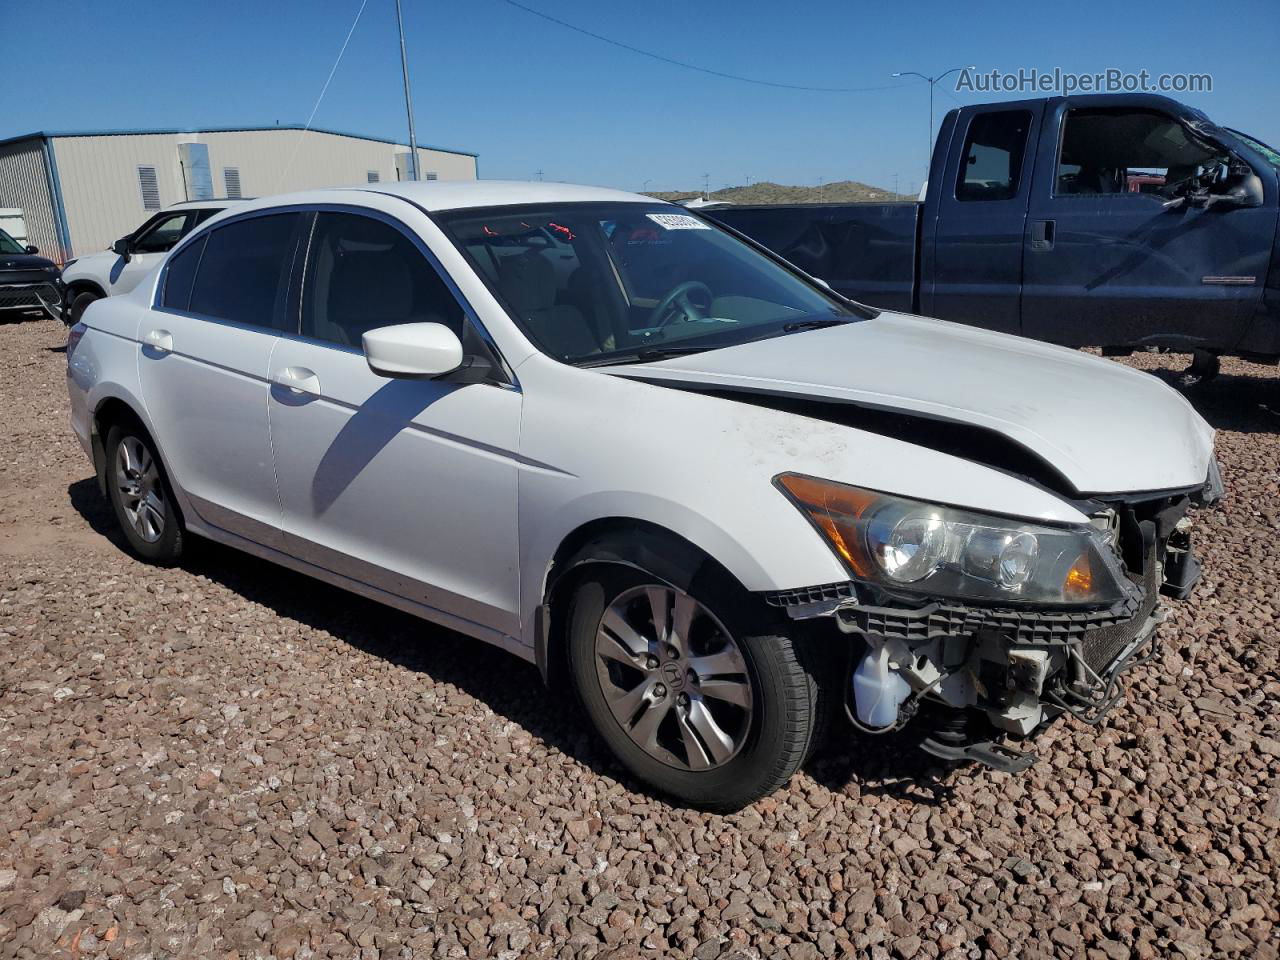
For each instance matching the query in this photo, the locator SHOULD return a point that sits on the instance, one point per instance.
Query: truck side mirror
(32, 249)
(121, 248)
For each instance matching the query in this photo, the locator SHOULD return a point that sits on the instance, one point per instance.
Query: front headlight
(946, 551)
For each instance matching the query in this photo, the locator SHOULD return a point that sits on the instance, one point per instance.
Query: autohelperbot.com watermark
(1059, 81)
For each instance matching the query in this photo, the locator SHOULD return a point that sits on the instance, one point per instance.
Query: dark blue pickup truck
(1118, 221)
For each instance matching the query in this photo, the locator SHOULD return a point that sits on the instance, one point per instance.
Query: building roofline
(125, 132)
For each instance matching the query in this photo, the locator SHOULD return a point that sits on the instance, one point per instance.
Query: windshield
(1267, 152)
(600, 283)
(10, 245)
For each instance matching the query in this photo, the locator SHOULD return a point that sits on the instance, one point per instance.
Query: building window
(231, 176)
(432, 175)
(150, 187)
(374, 177)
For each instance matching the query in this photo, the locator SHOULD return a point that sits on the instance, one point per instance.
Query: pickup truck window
(991, 164)
(1116, 152)
(1270, 154)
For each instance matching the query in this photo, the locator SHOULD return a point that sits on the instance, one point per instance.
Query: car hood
(23, 261)
(1104, 427)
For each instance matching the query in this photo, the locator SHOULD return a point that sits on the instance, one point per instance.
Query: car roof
(213, 203)
(433, 195)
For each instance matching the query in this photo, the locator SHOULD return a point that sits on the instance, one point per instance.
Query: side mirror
(32, 249)
(413, 350)
(121, 248)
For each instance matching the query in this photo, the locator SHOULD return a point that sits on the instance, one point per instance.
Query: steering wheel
(678, 295)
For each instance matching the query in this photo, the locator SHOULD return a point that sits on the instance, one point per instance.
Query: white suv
(118, 270)
(689, 482)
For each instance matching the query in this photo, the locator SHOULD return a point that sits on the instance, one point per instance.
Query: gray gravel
(229, 760)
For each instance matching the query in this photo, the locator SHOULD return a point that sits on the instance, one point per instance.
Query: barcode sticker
(677, 221)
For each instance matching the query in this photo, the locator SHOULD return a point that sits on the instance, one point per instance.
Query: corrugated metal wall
(99, 179)
(99, 174)
(24, 184)
(320, 160)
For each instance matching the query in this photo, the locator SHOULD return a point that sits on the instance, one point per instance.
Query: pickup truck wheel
(1203, 370)
(79, 305)
(141, 497)
(685, 698)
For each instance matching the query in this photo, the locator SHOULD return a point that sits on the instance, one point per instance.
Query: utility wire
(323, 90)
(693, 66)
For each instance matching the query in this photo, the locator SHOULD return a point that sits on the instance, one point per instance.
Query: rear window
(245, 269)
(991, 163)
(179, 275)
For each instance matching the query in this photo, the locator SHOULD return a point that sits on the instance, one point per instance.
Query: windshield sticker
(677, 221)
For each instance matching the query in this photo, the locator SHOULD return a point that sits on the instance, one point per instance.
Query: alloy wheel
(673, 677)
(141, 492)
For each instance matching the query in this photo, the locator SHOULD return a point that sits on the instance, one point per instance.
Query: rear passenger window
(244, 273)
(363, 273)
(179, 275)
(991, 163)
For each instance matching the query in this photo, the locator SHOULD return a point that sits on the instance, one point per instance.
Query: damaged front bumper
(1014, 669)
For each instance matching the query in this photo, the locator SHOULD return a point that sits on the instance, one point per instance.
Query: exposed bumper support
(993, 755)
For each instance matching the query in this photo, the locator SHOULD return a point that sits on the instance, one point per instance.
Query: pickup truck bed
(865, 251)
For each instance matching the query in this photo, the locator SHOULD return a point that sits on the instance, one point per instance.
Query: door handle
(1042, 235)
(159, 340)
(298, 380)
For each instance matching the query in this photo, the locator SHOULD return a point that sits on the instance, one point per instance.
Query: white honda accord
(687, 480)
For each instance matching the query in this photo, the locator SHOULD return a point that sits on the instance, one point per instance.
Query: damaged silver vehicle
(713, 500)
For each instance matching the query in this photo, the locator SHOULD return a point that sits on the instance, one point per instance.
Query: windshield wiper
(815, 324)
(646, 355)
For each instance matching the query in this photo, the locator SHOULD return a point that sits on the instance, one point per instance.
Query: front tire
(141, 497)
(79, 305)
(686, 697)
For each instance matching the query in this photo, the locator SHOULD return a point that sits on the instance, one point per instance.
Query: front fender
(797, 555)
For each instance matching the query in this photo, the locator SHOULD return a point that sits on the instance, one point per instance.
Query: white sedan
(688, 481)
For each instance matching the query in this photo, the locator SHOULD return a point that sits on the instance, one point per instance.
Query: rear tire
(141, 497)
(718, 727)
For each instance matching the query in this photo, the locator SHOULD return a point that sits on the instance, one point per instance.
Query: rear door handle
(298, 380)
(159, 340)
(1042, 235)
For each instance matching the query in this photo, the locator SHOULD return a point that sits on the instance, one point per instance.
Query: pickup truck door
(975, 215)
(1108, 263)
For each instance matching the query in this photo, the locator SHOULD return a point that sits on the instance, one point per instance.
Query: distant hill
(841, 191)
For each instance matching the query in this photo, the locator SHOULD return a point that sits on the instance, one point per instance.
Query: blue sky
(528, 95)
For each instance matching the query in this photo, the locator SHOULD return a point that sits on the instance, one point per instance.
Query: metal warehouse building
(79, 192)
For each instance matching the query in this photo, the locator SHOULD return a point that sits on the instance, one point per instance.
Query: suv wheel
(79, 305)
(141, 497)
(683, 696)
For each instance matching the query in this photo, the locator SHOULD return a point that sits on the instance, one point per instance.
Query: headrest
(529, 281)
(370, 289)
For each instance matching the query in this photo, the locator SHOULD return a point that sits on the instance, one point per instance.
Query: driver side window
(1118, 152)
(163, 235)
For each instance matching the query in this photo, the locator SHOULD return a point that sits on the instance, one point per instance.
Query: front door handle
(298, 380)
(1042, 235)
(160, 340)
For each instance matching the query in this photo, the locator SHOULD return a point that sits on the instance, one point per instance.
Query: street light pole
(408, 99)
(931, 81)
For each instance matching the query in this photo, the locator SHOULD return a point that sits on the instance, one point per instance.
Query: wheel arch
(611, 541)
(116, 406)
(84, 285)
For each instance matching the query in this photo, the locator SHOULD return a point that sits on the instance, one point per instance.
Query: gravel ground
(230, 760)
